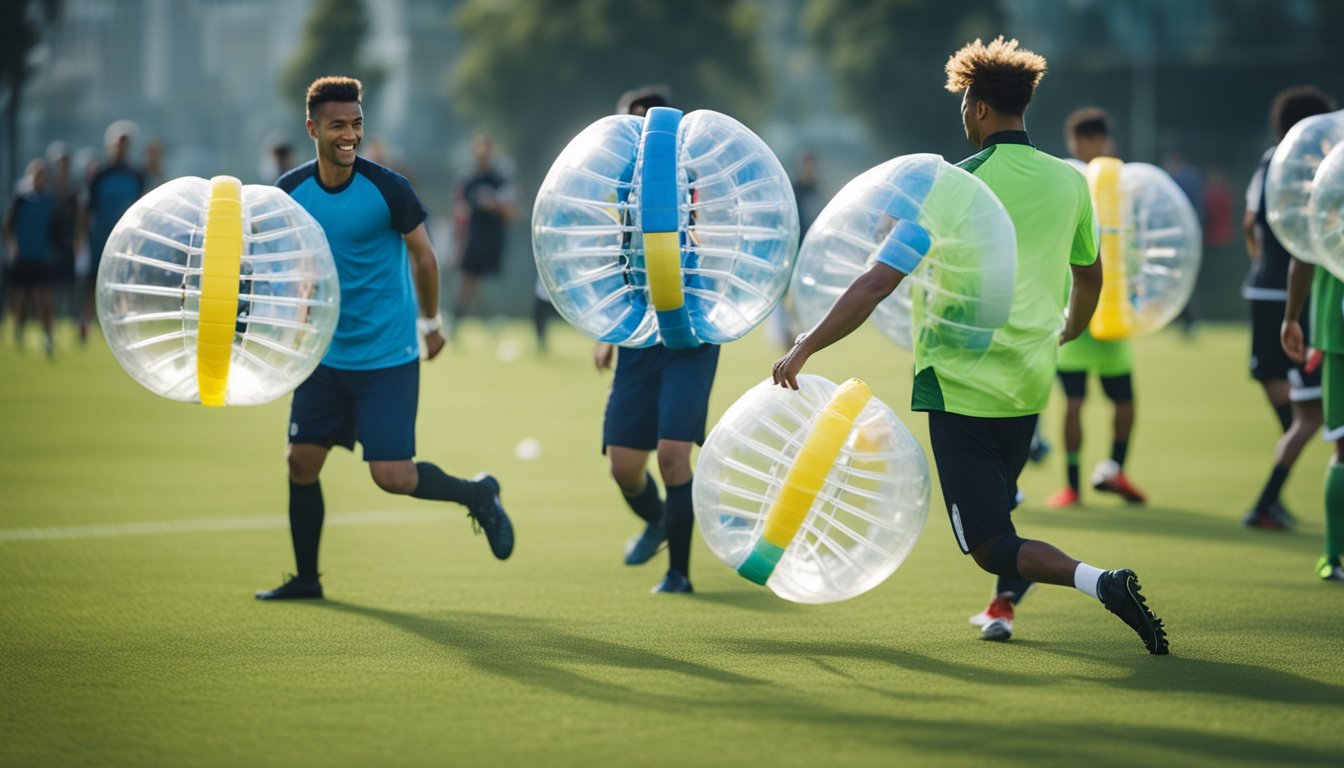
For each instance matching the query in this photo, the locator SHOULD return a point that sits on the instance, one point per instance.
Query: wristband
(429, 325)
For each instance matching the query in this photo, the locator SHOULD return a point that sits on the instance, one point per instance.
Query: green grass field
(133, 531)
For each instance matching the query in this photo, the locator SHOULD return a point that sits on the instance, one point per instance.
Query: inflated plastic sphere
(819, 494)
(1288, 182)
(668, 229)
(1163, 246)
(961, 290)
(1327, 212)
(218, 293)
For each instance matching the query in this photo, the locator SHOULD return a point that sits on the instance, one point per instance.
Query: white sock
(1085, 579)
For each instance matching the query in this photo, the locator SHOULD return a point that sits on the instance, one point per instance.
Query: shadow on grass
(534, 652)
(1164, 521)
(760, 599)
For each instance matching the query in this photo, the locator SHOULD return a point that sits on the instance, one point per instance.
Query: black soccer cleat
(294, 588)
(1119, 592)
(488, 515)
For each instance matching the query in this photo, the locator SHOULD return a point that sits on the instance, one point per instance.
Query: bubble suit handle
(804, 479)
(1114, 318)
(659, 214)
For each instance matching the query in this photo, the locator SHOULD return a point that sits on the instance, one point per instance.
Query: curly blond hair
(1000, 74)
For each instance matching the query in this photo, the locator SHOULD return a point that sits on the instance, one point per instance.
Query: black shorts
(31, 274)
(1118, 389)
(978, 462)
(659, 394)
(482, 262)
(1268, 361)
(378, 407)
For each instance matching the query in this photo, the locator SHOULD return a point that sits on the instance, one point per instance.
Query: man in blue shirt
(368, 384)
(29, 235)
(113, 188)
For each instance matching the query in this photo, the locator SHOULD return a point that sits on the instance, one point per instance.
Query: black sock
(1270, 494)
(1016, 587)
(1118, 450)
(437, 485)
(680, 521)
(306, 512)
(646, 503)
(1285, 414)
(1073, 472)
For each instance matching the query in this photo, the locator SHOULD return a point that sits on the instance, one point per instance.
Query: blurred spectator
(154, 175)
(277, 158)
(65, 228)
(28, 238)
(1191, 182)
(807, 193)
(114, 187)
(484, 205)
(1219, 230)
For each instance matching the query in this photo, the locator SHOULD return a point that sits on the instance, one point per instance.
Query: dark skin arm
(1082, 300)
(1248, 231)
(425, 271)
(1294, 344)
(848, 313)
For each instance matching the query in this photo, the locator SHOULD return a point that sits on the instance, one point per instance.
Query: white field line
(252, 523)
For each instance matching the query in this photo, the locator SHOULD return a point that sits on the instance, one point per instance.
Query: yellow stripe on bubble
(222, 262)
(1114, 317)
(821, 447)
(662, 258)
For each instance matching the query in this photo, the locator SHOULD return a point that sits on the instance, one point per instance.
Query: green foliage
(535, 72)
(332, 38)
(887, 55)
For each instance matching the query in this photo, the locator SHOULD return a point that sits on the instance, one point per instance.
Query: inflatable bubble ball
(1151, 246)
(819, 494)
(1288, 181)
(218, 293)
(665, 229)
(941, 221)
(1327, 212)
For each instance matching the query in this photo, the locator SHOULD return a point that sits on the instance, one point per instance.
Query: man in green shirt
(983, 406)
(1327, 336)
(1087, 134)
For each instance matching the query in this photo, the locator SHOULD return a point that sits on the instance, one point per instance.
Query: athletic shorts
(659, 394)
(1332, 391)
(978, 462)
(31, 274)
(377, 408)
(1118, 389)
(1088, 355)
(482, 262)
(1268, 361)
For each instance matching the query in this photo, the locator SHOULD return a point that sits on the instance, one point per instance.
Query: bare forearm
(849, 312)
(1083, 299)
(1300, 274)
(426, 273)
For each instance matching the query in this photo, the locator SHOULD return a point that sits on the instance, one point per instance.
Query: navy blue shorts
(659, 394)
(336, 407)
(978, 462)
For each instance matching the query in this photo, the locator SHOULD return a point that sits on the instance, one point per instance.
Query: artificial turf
(133, 531)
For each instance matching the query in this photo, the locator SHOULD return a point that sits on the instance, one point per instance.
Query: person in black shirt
(486, 206)
(1294, 391)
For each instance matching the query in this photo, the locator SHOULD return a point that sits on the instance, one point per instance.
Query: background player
(1293, 391)
(659, 401)
(1087, 133)
(368, 385)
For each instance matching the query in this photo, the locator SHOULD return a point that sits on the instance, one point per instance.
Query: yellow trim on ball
(662, 258)
(820, 449)
(223, 252)
(1114, 318)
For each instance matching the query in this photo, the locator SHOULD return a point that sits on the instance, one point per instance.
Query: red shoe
(1107, 477)
(996, 621)
(1064, 497)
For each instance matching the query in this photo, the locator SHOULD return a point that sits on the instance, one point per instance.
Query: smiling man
(367, 387)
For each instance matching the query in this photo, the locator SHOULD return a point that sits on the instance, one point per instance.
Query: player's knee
(303, 468)
(675, 468)
(999, 555)
(400, 478)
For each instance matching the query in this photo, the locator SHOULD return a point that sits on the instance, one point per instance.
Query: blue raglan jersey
(364, 220)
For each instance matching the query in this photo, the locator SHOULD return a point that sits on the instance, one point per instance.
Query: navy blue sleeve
(291, 180)
(402, 202)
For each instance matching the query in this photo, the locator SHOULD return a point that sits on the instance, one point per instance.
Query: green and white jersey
(1327, 312)
(1051, 210)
